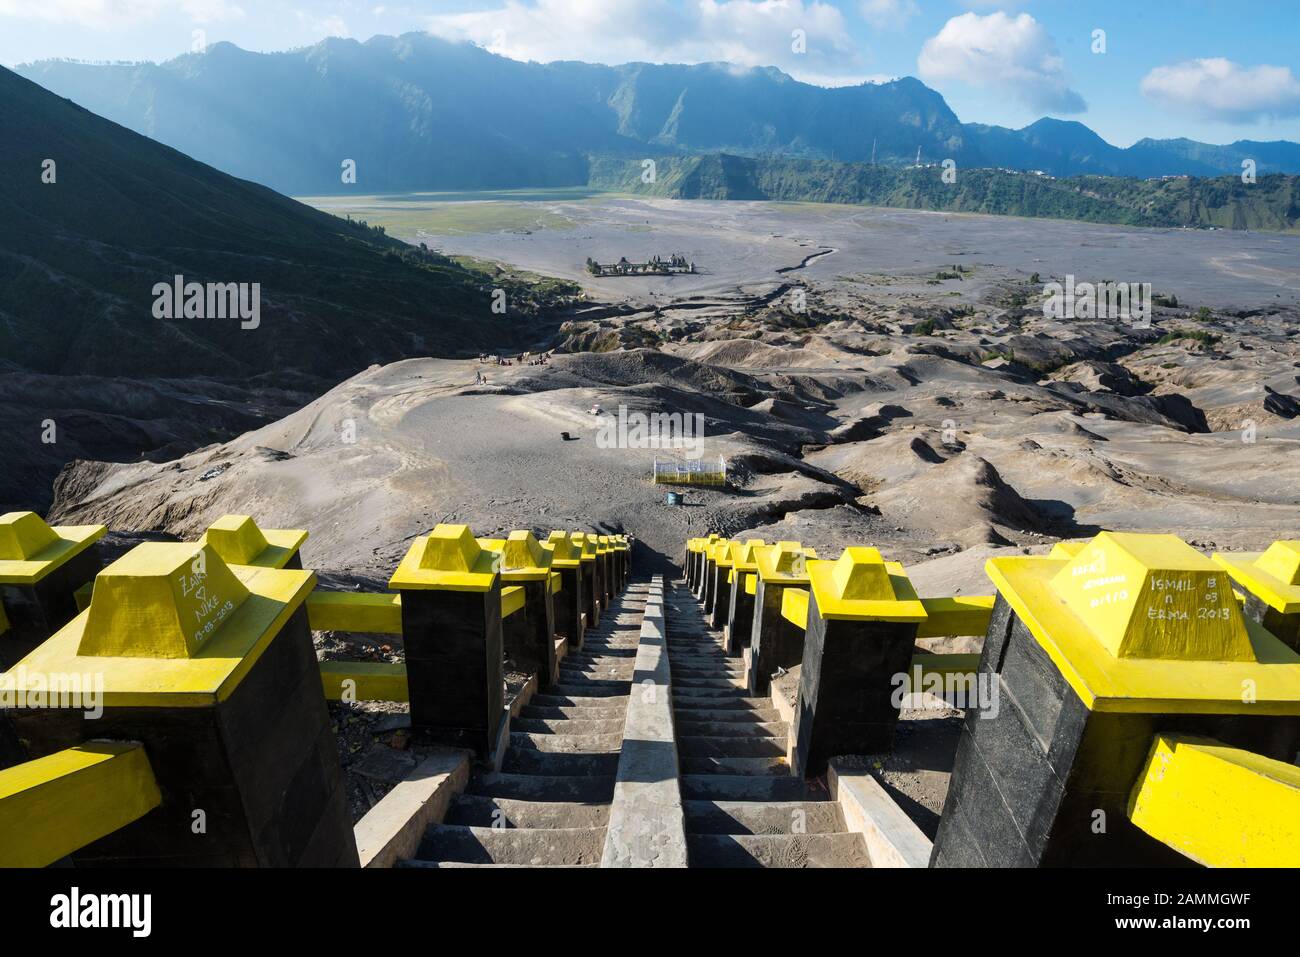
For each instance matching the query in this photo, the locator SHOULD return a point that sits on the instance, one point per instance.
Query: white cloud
(1219, 89)
(1012, 54)
(742, 32)
(110, 14)
(332, 25)
(847, 79)
(888, 14)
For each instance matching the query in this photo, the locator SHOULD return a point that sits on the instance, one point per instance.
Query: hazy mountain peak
(288, 119)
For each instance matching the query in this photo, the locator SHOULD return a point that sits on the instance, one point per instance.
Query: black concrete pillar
(710, 577)
(570, 602)
(774, 642)
(715, 611)
(529, 633)
(528, 636)
(248, 765)
(606, 557)
(41, 569)
(36, 611)
(586, 548)
(740, 618)
(569, 606)
(739, 614)
(454, 657)
(1047, 759)
(846, 688)
(451, 629)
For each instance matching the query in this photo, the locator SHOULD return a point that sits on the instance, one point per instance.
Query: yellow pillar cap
(522, 552)
(861, 586)
(160, 600)
(236, 538)
(747, 555)
(859, 574)
(1273, 576)
(784, 559)
(448, 558)
(239, 540)
(24, 535)
(1282, 561)
(1146, 624)
(1154, 596)
(586, 545)
(563, 552)
(1068, 548)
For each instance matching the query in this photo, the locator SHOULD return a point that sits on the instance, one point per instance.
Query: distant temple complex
(657, 266)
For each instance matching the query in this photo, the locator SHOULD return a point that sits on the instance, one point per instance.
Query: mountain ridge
(1272, 203)
(398, 106)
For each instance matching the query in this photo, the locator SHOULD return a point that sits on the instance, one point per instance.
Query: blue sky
(1211, 70)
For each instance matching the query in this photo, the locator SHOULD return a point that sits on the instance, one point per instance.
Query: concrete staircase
(743, 808)
(548, 806)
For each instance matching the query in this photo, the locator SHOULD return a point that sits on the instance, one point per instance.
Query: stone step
(741, 716)
(567, 726)
(567, 743)
(455, 864)
(621, 673)
(730, 746)
(709, 684)
(690, 695)
(705, 667)
(500, 845)
(758, 817)
(777, 850)
(610, 654)
(706, 671)
(724, 701)
(588, 689)
(581, 764)
(480, 811)
(603, 663)
(614, 712)
(546, 699)
(736, 787)
(541, 787)
(740, 729)
(588, 661)
(756, 766)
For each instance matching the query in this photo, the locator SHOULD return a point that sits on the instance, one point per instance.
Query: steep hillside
(1272, 203)
(80, 256)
